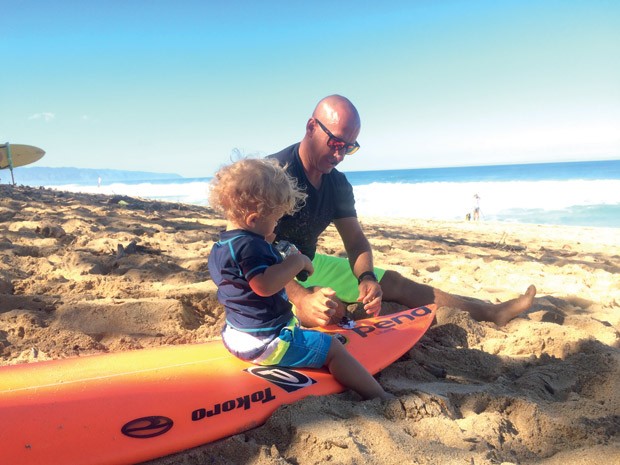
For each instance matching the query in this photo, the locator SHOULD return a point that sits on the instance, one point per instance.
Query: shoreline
(449, 200)
(542, 389)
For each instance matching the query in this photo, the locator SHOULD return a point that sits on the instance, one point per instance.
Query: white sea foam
(447, 200)
(523, 201)
(192, 192)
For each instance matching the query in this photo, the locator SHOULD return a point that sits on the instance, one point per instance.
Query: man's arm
(359, 252)
(356, 244)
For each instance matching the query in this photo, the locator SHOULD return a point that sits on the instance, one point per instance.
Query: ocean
(567, 193)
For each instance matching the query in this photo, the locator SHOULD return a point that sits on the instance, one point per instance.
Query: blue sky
(175, 86)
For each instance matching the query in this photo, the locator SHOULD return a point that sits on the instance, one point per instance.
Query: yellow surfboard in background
(20, 154)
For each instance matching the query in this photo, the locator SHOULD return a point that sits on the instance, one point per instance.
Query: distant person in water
(331, 135)
(251, 275)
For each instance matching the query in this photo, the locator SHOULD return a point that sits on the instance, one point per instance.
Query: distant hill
(39, 176)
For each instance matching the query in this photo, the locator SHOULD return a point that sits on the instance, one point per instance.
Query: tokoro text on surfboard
(243, 402)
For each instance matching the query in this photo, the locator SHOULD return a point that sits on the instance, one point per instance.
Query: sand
(83, 274)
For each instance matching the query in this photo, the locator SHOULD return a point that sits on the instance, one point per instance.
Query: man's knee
(393, 284)
(392, 278)
(399, 289)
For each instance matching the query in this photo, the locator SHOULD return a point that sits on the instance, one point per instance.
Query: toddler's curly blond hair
(251, 185)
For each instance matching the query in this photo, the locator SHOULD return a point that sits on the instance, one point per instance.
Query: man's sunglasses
(336, 143)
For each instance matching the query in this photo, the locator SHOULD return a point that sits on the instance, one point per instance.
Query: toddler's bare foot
(387, 396)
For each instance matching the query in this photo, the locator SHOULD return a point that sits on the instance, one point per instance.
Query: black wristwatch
(367, 274)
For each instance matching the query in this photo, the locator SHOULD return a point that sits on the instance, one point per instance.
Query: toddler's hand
(307, 270)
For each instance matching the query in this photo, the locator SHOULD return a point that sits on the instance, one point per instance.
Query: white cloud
(46, 116)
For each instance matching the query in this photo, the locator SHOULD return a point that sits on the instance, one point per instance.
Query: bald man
(331, 135)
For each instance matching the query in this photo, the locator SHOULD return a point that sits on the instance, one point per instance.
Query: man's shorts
(293, 347)
(335, 273)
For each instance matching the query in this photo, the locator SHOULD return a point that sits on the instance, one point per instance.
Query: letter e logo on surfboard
(147, 427)
(287, 379)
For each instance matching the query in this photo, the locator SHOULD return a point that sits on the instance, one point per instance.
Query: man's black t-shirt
(334, 200)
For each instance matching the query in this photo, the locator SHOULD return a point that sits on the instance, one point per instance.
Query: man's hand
(370, 295)
(319, 307)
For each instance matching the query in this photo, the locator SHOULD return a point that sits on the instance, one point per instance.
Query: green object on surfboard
(14, 155)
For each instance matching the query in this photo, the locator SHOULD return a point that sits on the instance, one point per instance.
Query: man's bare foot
(506, 311)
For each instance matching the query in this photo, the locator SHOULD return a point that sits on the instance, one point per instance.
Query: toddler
(250, 274)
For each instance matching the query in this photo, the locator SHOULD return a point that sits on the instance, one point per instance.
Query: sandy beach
(83, 274)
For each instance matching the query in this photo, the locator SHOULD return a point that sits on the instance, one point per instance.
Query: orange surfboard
(134, 406)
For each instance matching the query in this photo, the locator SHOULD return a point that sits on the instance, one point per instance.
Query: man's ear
(310, 126)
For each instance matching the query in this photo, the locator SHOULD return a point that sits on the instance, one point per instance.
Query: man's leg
(397, 288)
